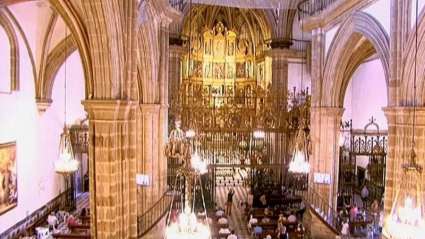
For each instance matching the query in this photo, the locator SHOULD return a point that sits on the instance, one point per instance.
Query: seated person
(201, 212)
(224, 231)
(232, 235)
(52, 221)
(292, 218)
(281, 218)
(83, 212)
(220, 212)
(258, 230)
(265, 220)
(301, 211)
(222, 220)
(210, 220)
(282, 234)
(263, 200)
(252, 221)
(71, 221)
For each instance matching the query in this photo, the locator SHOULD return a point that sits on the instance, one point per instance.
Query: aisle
(236, 221)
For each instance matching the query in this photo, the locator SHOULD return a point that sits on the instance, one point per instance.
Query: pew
(78, 227)
(85, 219)
(70, 236)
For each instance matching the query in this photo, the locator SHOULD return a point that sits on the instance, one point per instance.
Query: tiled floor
(236, 220)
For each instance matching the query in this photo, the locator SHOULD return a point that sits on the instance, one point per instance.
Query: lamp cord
(64, 54)
(190, 40)
(414, 80)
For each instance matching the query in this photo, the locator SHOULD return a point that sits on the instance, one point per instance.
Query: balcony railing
(151, 217)
(317, 204)
(177, 4)
(308, 8)
(286, 43)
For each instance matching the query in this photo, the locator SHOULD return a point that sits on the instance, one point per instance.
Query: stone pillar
(112, 156)
(279, 67)
(325, 124)
(147, 139)
(399, 32)
(175, 71)
(400, 130)
(317, 65)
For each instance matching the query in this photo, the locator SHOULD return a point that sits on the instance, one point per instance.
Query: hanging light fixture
(406, 219)
(66, 164)
(187, 226)
(299, 163)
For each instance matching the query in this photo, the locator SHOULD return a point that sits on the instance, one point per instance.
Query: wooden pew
(40, 222)
(355, 224)
(85, 219)
(70, 236)
(78, 227)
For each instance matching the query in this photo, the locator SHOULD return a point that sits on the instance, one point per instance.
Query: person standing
(230, 202)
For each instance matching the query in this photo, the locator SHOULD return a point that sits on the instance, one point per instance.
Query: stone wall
(20, 227)
(315, 228)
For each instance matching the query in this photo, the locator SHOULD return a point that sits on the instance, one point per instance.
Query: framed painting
(8, 177)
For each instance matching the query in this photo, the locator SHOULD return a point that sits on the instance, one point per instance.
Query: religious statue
(175, 147)
(207, 71)
(230, 53)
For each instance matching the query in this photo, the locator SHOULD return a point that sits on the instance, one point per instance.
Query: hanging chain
(64, 54)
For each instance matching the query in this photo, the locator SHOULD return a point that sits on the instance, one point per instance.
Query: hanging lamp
(66, 164)
(406, 218)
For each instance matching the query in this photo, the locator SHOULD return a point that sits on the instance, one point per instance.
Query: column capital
(317, 31)
(43, 105)
(284, 53)
(178, 50)
(149, 109)
(403, 115)
(328, 111)
(109, 110)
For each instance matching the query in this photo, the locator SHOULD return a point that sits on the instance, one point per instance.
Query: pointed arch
(14, 51)
(349, 36)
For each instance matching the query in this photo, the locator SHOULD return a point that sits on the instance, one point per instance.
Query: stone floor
(236, 220)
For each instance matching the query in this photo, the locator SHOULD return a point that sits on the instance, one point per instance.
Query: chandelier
(299, 163)
(187, 226)
(66, 164)
(406, 219)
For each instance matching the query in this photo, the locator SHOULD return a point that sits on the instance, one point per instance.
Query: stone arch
(349, 35)
(54, 61)
(148, 55)
(407, 80)
(72, 19)
(14, 51)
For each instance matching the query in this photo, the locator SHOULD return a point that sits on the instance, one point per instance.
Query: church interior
(210, 119)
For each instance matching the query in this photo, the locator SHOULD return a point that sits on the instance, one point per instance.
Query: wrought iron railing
(286, 43)
(308, 8)
(316, 203)
(177, 4)
(153, 215)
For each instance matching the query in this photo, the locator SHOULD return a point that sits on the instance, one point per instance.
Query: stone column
(325, 124)
(279, 67)
(400, 130)
(399, 32)
(147, 138)
(175, 71)
(112, 156)
(317, 65)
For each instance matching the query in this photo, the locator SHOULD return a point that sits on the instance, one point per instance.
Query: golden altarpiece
(243, 122)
